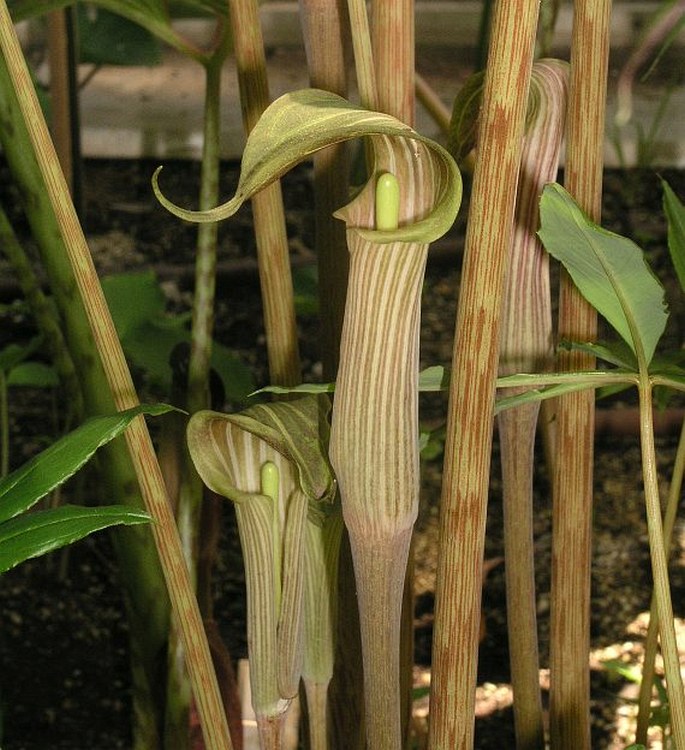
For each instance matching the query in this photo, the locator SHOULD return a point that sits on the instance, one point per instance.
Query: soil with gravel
(63, 637)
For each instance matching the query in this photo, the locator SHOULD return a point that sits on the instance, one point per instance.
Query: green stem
(517, 443)
(48, 209)
(197, 396)
(651, 641)
(363, 54)
(44, 313)
(657, 550)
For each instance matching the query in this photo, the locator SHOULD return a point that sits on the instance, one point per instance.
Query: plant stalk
(43, 311)
(474, 371)
(267, 205)
(526, 346)
(380, 570)
(573, 464)
(374, 452)
(190, 496)
(651, 641)
(144, 590)
(326, 32)
(657, 550)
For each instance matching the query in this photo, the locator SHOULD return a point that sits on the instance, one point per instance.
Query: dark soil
(63, 643)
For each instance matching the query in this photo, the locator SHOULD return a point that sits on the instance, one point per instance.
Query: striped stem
(474, 370)
(526, 346)
(572, 483)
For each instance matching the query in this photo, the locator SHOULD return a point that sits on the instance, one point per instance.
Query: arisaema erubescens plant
(271, 461)
(611, 272)
(374, 445)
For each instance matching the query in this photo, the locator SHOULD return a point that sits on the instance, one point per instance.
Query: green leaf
(305, 287)
(21, 10)
(609, 270)
(194, 8)
(302, 122)
(464, 121)
(13, 354)
(434, 378)
(106, 38)
(152, 15)
(615, 353)
(24, 487)
(236, 376)
(301, 388)
(629, 671)
(149, 334)
(35, 534)
(122, 289)
(675, 215)
(33, 375)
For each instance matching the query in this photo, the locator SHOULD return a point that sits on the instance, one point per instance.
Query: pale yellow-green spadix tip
(387, 202)
(269, 478)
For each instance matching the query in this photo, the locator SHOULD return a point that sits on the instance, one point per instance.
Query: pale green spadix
(387, 202)
(269, 480)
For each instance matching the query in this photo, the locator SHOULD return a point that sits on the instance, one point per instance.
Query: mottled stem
(573, 465)
(475, 360)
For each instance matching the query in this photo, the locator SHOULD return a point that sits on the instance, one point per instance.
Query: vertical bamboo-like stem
(144, 589)
(64, 96)
(267, 206)
(572, 483)
(151, 482)
(326, 31)
(392, 38)
(474, 370)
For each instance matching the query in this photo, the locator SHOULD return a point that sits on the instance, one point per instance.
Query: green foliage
(609, 270)
(19, 370)
(29, 535)
(305, 287)
(149, 334)
(38, 533)
(675, 214)
(106, 38)
(660, 716)
(155, 16)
